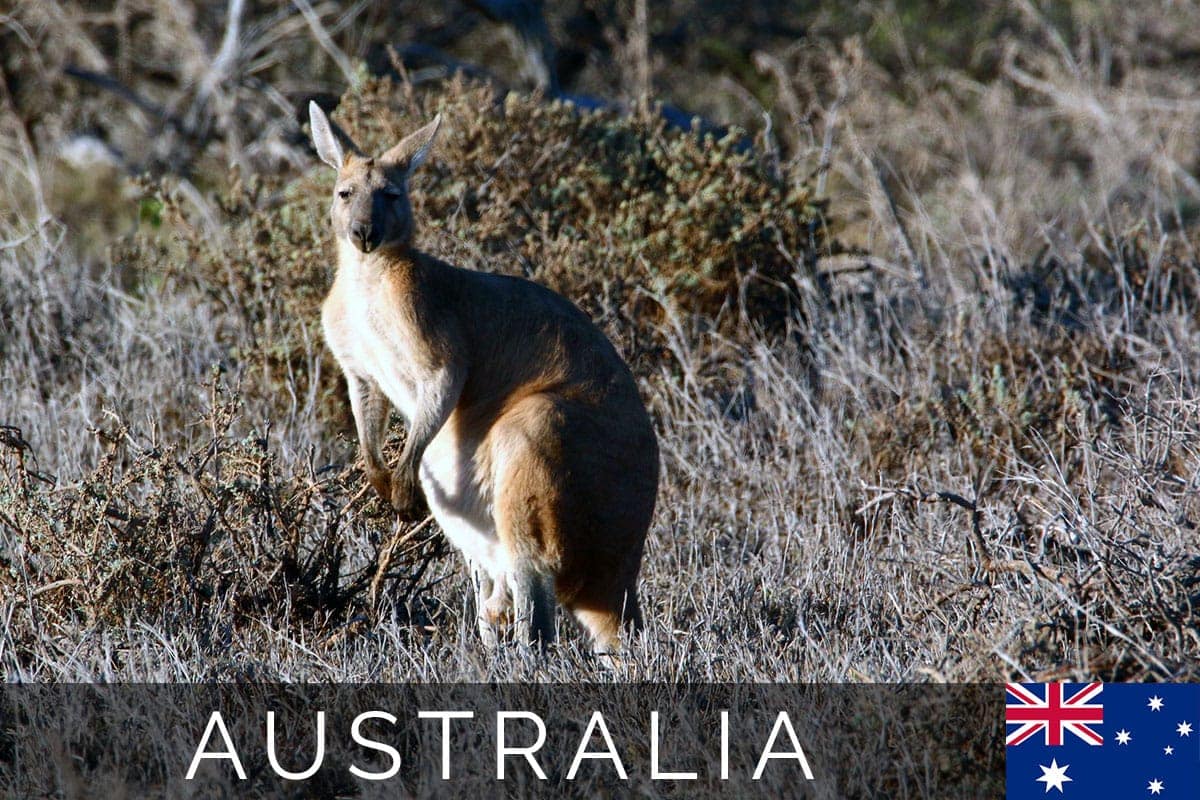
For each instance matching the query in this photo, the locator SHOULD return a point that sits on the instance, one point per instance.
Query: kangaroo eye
(343, 193)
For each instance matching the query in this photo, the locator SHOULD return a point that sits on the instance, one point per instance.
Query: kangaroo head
(371, 208)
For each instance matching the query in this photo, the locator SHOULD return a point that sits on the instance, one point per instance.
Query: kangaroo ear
(413, 149)
(328, 147)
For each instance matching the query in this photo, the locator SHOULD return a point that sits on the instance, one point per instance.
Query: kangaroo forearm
(370, 409)
(436, 403)
(410, 458)
(434, 409)
(375, 417)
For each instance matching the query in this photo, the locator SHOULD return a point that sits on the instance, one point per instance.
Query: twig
(926, 497)
(110, 84)
(225, 55)
(900, 226)
(388, 552)
(326, 43)
(49, 587)
(831, 121)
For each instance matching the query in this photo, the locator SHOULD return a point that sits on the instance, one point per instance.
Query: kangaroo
(526, 434)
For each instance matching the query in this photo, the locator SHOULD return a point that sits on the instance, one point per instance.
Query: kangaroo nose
(361, 232)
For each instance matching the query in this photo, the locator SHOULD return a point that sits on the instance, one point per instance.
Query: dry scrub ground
(924, 358)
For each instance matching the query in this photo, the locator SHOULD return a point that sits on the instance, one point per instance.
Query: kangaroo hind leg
(534, 604)
(604, 621)
(526, 509)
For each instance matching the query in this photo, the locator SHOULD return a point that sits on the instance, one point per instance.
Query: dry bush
(607, 209)
(1049, 126)
(212, 537)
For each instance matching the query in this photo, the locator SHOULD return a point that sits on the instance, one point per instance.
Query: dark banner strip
(696, 740)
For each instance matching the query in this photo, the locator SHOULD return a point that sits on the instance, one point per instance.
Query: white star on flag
(1054, 776)
(1184, 728)
(1155, 787)
(1156, 703)
(1168, 750)
(1123, 736)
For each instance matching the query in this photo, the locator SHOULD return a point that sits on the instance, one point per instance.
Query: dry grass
(970, 451)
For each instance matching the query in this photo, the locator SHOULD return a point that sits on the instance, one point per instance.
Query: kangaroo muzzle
(362, 235)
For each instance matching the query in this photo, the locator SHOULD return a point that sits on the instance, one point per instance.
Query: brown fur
(525, 425)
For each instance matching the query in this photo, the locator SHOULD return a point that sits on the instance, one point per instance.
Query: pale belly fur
(460, 499)
(459, 495)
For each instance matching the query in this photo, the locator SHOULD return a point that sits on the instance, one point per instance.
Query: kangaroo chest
(372, 338)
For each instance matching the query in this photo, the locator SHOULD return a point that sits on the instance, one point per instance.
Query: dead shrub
(212, 536)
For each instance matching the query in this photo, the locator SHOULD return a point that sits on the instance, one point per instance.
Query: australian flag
(1098, 741)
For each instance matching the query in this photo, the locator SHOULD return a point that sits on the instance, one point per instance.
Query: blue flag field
(1099, 741)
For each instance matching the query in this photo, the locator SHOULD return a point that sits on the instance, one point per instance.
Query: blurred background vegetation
(910, 289)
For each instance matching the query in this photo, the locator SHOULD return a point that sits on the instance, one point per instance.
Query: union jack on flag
(1053, 714)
